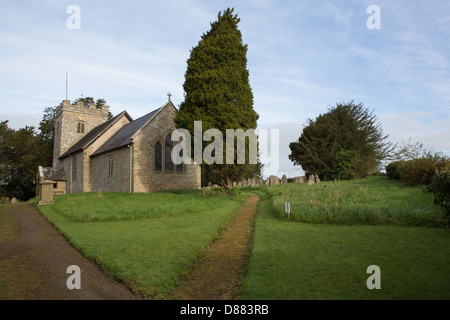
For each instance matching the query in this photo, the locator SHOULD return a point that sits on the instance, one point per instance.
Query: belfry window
(80, 127)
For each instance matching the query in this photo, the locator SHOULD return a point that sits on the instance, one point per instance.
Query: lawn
(293, 260)
(321, 252)
(145, 240)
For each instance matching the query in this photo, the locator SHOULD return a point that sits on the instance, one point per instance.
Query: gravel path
(34, 258)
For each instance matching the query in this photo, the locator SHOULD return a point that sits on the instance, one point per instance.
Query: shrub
(421, 170)
(392, 170)
(213, 192)
(221, 192)
(440, 187)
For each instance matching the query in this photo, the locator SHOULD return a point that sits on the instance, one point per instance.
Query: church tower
(72, 122)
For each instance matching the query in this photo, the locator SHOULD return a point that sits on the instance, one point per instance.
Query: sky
(303, 58)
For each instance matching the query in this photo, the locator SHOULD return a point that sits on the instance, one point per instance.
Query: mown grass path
(218, 273)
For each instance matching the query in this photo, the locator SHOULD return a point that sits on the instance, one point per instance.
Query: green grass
(296, 261)
(97, 207)
(372, 201)
(146, 240)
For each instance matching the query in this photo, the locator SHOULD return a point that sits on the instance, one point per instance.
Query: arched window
(158, 156)
(168, 164)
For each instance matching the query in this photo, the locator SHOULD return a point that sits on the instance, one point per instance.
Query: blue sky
(303, 57)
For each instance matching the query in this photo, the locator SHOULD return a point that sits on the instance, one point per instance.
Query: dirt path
(34, 258)
(218, 274)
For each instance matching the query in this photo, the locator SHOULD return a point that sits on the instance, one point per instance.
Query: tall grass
(372, 201)
(96, 207)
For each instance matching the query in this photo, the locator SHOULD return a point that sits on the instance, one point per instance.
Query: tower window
(80, 127)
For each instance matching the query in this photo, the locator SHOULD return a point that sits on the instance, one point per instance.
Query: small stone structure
(57, 176)
(13, 200)
(46, 192)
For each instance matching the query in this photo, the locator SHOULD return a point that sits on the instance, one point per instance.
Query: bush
(213, 192)
(421, 170)
(392, 170)
(440, 187)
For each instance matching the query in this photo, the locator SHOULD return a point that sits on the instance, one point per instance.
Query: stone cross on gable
(169, 95)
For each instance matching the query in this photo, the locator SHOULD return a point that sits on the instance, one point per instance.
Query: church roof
(52, 174)
(125, 135)
(92, 135)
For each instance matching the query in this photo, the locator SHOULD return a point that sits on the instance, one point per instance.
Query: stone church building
(94, 154)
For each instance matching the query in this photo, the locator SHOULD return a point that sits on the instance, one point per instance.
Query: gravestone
(7, 200)
(13, 200)
(273, 180)
(311, 180)
(317, 178)
(284, 179)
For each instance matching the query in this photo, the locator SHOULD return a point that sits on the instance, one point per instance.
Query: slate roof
(53, 174)
(125, 135)
(92, 135)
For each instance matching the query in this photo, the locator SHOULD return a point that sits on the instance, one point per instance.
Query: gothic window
(158, 156)
(168, 164)
(179, 167)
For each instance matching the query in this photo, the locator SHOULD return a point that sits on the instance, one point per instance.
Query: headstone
(311, 180)
(284, 179)
(7, 199)
(317, 178)
(273, 180)
(210, 184)
(13, 200)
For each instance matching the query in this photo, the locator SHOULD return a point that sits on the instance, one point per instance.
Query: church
(95, 154)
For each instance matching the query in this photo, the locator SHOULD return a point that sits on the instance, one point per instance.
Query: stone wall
(119, 181)
(73, 167)
(145, 178)
(89, 177)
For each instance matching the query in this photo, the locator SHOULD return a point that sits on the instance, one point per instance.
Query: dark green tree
(99, 103)
(20, 157)
(6, 150)
(344, 143)
(217, 91)
(47, 134)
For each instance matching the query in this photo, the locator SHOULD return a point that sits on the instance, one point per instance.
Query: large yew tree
(217, 91)
(346, 142)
